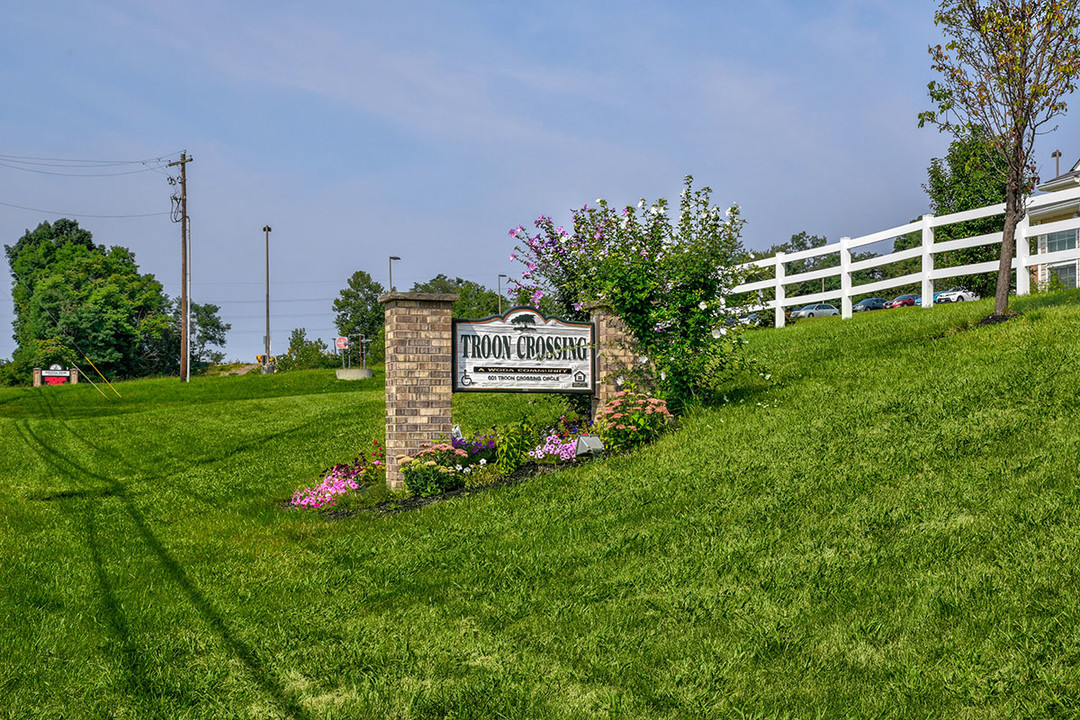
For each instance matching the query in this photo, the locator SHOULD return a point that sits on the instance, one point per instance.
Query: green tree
(474, 301)
(90, 303)
(75, 299)
(358, 309)
(1007, 66)
(305, 354)
(207, 331)
(30, 257)
(970, 176)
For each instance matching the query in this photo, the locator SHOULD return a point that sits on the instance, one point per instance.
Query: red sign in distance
(341, 343)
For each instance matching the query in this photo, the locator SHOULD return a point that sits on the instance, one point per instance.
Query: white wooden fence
(1022, 262)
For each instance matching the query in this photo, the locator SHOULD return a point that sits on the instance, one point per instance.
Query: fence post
(779, 294)
(1023, 254)
(927, 261)
(845, 278)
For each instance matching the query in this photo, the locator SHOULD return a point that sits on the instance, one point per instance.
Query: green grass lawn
(890, 529)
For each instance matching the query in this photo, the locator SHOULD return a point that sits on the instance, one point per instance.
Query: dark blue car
(870, 304)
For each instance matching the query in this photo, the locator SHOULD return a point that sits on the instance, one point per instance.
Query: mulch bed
(997, 319)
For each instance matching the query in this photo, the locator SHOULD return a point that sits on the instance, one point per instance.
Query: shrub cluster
(668, 278)
(630, 419)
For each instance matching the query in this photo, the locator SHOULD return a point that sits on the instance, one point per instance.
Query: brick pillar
(74, 376)
(614, 353)
(419, 362)
(37, 377)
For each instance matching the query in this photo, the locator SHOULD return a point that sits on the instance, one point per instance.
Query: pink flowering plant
(669, 280)
(559, 442)
(341, 480)
(630, 419)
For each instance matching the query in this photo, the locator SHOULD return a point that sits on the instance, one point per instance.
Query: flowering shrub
(434, 469)
(343, 478)
(555, 447)
(630, 419)
(668, 282)
(560, 441)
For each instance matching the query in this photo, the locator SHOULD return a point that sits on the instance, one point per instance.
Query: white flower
(768, 376)
(654, 210)
(643, 359)
(702, 305)
(598, 201)
(723, 302)
(458, 468)
(618, 381)
(663, 375)
(728, 212)
(751, 256)
(719, 332)
(483, 461)
(641, 203)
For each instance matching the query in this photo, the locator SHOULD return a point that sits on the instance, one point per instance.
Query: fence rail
(1022, 262)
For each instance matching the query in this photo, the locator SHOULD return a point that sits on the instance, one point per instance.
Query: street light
(501, 276)
(392, 259)
(266, 357)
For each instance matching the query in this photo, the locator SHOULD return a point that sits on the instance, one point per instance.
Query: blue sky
(427, 130)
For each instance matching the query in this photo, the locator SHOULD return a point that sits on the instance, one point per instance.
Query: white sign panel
(523, 351)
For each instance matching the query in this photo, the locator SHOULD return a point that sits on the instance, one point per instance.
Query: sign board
(55, 375)
(523, 351)
(341, 343)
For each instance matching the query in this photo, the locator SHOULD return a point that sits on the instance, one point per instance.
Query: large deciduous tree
(474, 300)
(75, 299)
(358, 309)
(1006, 67)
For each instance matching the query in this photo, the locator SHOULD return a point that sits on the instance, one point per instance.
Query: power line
(86, 175)
(85, 215)
(75, 162)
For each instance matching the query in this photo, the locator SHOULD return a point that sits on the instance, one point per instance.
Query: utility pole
(185, 342)
(266, 357)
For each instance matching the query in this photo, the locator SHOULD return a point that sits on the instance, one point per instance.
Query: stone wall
(419, 364)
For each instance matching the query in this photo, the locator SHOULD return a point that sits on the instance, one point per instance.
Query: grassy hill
(890, 529)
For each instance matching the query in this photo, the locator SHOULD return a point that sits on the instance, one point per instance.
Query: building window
(1064, 240)
(1066, 274)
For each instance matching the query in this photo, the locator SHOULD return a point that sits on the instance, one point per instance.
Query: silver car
(817, 310)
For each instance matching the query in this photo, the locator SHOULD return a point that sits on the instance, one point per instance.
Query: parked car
(870, 304)
(902, 301)
(816, 310)
(956, 294)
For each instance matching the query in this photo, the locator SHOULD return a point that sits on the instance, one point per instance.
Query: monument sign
(522, 351)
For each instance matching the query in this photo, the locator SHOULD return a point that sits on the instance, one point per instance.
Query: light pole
(266, 357)
(392, 259)
(499, 281)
